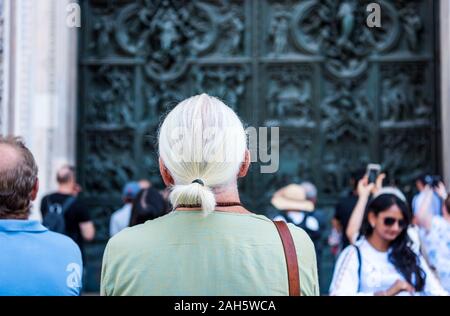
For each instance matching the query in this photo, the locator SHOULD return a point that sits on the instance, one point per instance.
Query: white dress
(377, 273)
(437, 247)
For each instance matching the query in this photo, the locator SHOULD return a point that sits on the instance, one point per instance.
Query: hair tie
(199, 181)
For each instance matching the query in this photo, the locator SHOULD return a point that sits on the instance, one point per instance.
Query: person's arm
(345, 277)
(441, 191)
(87, 230)
(85, 223)
(424, 216)
(398, 287)
(355, 221)
(354, 224)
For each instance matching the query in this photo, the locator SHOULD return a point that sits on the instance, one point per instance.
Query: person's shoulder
(352, 248)
(361, 245)
(129, 235)
(61, 244)
(59, 239)
(117, 213)
(350, 253)
(298, 233)
(78, 201)
(50, 196)
(419, 196)
(302, 240)
(439, 223)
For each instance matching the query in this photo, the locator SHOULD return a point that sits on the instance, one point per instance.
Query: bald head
(18, 178)
(10, 157)
(65, 175)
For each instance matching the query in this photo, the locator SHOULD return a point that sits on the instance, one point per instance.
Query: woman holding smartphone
(382, 262)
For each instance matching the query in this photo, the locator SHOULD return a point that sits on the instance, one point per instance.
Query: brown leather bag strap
(291, 258)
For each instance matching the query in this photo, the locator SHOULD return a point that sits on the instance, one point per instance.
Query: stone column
(44, 79)
(445, 85)
(4, 54)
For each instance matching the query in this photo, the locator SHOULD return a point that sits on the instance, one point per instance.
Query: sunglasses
(390, 221)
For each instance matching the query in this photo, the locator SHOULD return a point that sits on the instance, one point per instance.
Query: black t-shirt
(76, 213)
(343, 211)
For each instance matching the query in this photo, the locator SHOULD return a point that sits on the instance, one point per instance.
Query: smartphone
(373, 170)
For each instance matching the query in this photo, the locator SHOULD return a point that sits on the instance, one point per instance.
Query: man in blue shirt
(33, 260)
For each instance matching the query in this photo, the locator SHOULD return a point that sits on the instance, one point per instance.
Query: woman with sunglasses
(382, 262)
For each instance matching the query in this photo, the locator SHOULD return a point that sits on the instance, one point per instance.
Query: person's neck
(378, 243)
(227, 194)
(20, 216)
(65, 189)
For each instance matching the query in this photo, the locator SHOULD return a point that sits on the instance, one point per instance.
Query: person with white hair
(210, 244)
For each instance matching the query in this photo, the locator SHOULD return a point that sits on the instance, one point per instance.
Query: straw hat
(292, 198)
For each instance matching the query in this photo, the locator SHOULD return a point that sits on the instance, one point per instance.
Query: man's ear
(35, 190)
(165, 174)
(243, 170)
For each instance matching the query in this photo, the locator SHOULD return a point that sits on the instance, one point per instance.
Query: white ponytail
(194, 193)
(202, 143)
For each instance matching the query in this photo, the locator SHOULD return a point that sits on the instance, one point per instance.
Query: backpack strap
(68, 203)
(291, 258)
(358, 254)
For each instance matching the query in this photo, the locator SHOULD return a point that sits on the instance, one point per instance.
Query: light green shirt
(224, 254)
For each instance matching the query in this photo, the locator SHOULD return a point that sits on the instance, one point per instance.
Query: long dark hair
(147, 205)
(401, 254)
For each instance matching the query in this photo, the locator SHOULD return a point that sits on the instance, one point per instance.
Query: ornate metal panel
(342, 94)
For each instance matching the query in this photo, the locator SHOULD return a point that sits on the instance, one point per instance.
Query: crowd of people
(197, 238)
(385, 255)
(142, 203)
